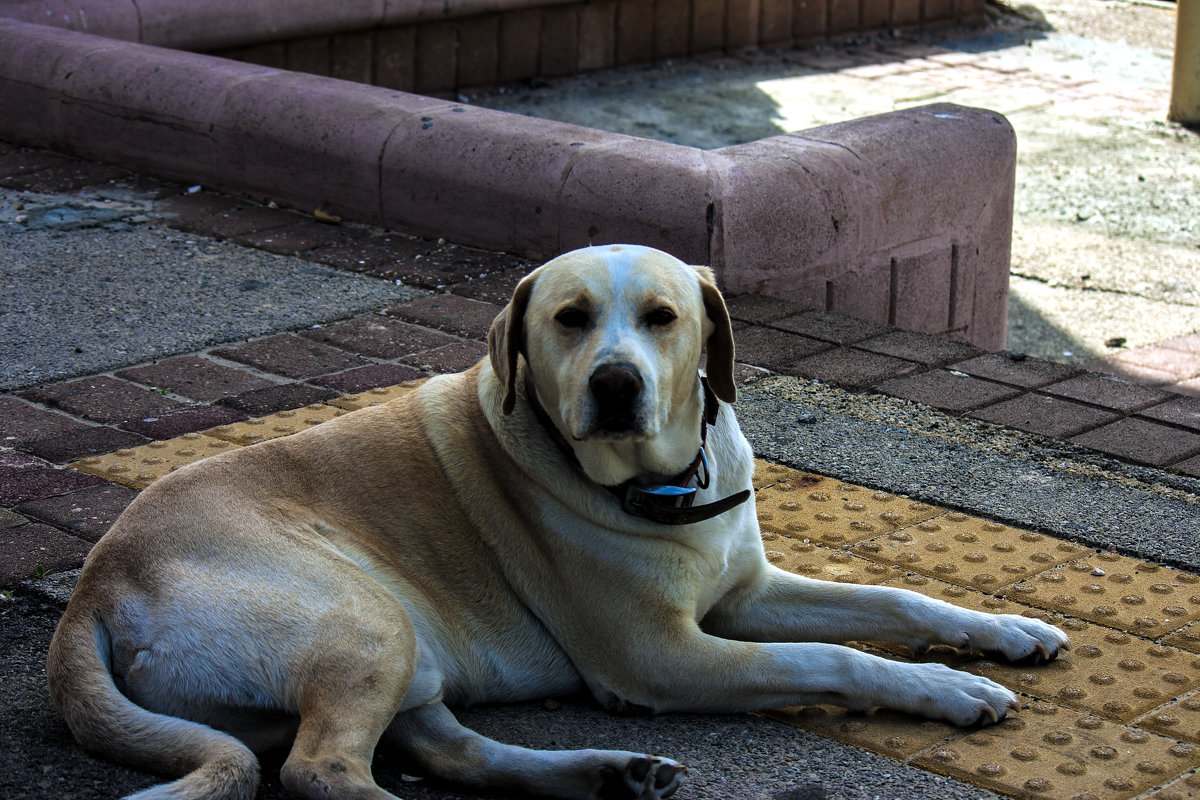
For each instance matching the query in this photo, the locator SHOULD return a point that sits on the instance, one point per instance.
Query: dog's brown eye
(571, 318)
(660, 316)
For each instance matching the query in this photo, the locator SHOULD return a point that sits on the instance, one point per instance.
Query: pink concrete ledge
(219, 24)
(902, 218)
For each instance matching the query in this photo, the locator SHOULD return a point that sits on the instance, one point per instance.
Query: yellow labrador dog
(575, 511)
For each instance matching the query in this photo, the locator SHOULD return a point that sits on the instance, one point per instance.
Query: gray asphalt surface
(1023, 480)
(93, 286)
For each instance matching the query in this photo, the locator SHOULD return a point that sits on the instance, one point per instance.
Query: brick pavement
(984, 78)
(51, 514)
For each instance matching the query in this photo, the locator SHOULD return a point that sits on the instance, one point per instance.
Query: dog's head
(613, 337)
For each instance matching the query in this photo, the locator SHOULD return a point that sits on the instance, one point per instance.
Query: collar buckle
(672, 505)
(638, 499)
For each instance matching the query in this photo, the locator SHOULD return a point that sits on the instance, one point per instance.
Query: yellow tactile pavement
(1115, 718)
(281, 423)
(137, 467)
(140, 466)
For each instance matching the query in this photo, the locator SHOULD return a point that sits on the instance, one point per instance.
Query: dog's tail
(214, 765)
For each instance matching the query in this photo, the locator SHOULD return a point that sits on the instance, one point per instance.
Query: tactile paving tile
(374, 397)
(965, 597)
(1106, 672)
(138, 467)
(1047, 751)
(1109, 673)
(1186, 788)
(970, 552)
(1116, 591)
(822, 563)
(888, 733)
(1187, 638)
(766, 473)
(833, 513)
(1070, 742)
(1180, 719)
(281, 423)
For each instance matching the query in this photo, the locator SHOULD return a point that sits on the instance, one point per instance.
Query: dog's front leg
(707, 674)
(780, 606)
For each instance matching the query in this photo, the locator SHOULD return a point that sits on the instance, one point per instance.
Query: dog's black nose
(615, 388)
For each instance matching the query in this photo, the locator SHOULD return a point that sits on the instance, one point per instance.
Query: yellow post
(1185, 81)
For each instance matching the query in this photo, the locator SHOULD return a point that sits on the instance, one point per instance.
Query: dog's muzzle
(616, 390)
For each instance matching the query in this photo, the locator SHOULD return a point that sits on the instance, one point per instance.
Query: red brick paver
(87, 513)
(450, 313)
(924, 348)
(195, 377)
(88, 441)
(102, 399)
(829, 327)
(291, 356)
(1045, 415)
(947, 390)
(1181, 411)
(1143, 441)
(379, 337)
(1107, 392)
(1173, 364)
(22, 423)
(30, 550)
(851, 368)
(774, 349)
(283, 397)
(369, 377)
(181, 421)
(24, 477)
(1017, 370)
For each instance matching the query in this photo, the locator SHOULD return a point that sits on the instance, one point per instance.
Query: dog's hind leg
(350, 687)
(439, 743)
(339, 728)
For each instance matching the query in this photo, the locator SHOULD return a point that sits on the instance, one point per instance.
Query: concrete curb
(656, 28)
(812, 217)
(231, 23)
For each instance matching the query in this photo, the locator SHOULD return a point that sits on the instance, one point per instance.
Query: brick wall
(526, 41)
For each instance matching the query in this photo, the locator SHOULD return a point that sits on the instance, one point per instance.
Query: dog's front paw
(641, 778)
(959, 697)
(1021, 640)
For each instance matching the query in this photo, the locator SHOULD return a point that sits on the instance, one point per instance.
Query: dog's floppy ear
(720, 343)
(504, 341)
